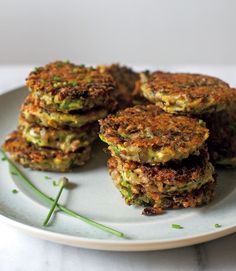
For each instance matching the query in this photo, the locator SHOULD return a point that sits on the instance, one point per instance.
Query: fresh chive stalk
(47, 178)
(63, 182)
(50, 201)
(176, 226)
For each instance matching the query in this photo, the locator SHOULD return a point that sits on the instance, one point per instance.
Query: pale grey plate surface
(95, 196)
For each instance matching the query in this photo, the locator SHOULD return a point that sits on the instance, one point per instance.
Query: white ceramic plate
(95, 196)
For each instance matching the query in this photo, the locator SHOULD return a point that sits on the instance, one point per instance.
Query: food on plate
(181, 176)
(186, 183)
(204, 97)
(170, 128)
(65, 86)
(185, 92)
(222, 140)
(58, 120)
(29, 155)
(146, 134)
(34, 113)
(128, 92)
(66, 139)
(159, 160)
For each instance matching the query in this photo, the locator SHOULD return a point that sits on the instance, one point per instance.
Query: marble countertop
(21, 252)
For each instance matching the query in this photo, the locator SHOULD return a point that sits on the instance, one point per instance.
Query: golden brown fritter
(67, 140)
(65, 86)
(34, 113)
(185, 92)
(222, 139)
(128, 92)
(174, 177)
(149, 195)
(146, 134)
(28, 155)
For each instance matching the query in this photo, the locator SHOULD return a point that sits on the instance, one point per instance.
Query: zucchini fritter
(146, 134)
(28, 155)
(145, 190)
(65, 86)
(222, 139)
(128, 92)
(67, 140)
(185, 92)
(174, 177)
(33, 113)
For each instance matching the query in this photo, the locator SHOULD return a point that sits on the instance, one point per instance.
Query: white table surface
(21, 252)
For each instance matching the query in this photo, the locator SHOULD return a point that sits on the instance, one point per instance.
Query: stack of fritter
(158, 159)
(205, 97)
(58, 120)
(128, 83)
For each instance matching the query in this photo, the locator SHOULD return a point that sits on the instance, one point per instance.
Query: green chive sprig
(176, 226)
(63, 183)
(47, 178)
(50, 201)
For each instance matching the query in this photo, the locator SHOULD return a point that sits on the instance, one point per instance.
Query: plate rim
(117, 245)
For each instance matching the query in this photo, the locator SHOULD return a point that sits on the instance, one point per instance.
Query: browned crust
(16, 145)
(191, 86)
(33, 104)
(85, 82)
(222, 139)
(87, 128)
(32, 107)
(128, 83)
(196, 198)
(173, 173)
(158, 201)
(168, 130)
